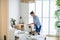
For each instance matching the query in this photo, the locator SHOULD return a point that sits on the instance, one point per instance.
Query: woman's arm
(31, 24)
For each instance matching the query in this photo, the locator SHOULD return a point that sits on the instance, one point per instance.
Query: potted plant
(13, 21)
(57, 16)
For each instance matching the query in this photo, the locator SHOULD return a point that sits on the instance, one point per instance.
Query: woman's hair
(31, 12)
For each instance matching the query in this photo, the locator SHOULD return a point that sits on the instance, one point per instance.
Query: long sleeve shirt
(36, 21)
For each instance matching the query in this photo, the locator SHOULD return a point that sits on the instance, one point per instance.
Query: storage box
(19, 26)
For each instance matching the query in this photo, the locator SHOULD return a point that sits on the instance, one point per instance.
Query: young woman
(36, 22)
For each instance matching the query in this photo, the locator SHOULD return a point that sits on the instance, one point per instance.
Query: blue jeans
(38, 29)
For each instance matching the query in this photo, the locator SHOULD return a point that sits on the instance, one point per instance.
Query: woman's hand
(31, 24)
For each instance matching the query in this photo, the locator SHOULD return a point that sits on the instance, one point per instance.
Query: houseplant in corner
(57, 16)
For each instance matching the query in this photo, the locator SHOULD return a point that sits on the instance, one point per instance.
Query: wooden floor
(52, 38)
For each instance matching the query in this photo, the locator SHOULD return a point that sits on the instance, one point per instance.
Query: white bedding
(36, 37)
(24, 36)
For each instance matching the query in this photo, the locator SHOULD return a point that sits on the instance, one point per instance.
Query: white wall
(24, 8)
(14, 9)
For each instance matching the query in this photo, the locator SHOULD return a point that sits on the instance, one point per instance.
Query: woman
(36, 22)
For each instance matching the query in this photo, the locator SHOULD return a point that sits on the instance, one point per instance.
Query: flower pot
(58, 27)
(13, 23)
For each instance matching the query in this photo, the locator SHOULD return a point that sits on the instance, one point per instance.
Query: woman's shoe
(38, 33)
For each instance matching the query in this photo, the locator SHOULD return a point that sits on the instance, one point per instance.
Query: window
(45, 10)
